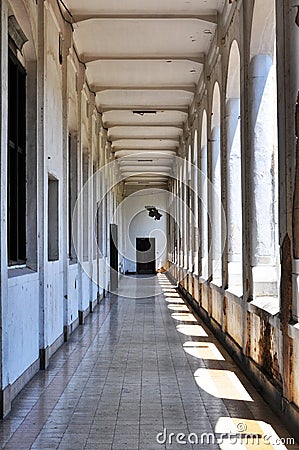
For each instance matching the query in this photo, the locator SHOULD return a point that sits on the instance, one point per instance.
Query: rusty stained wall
(264, 344)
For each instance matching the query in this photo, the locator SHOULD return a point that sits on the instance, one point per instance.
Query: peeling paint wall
(42, 303)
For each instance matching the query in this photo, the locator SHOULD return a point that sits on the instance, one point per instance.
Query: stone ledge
(15, 272)
(216, 287)
(293, 330)
(233, 296)
(268, 304)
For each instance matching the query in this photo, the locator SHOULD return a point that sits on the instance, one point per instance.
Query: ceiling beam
(199, 58)
(210, 18)
(147, 170)
(110, 124)
(132, 108)
(155, 125)
(187, 88)
(138, 165)
(141, 150)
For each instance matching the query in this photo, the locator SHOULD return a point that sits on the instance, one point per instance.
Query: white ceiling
(144, 59)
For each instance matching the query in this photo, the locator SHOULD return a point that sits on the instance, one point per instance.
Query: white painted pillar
(234, 193)
(41, 186)
(189, 210)
(185, 214)
(263, 190)
(216, 207)
(181, 199)
(5, 400)
(65, 187)
(291, 87)
(204, 213)
(195, 218)
(177, 220)
(79, 219)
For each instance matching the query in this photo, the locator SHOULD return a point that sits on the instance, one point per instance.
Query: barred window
(16, 161)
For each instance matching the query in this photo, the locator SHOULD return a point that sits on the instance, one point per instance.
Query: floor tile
(124, 380)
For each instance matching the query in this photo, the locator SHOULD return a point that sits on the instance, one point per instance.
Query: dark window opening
(85, 208)
(53, 218)
(16, 191)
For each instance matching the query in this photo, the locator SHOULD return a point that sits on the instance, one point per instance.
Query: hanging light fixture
(153, 212)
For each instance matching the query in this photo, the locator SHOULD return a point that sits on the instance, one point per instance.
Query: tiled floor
(141, 369)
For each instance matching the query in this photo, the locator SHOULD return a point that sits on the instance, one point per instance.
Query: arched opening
(234, 184)
(263, 145)
(216, 184)
(204, 197)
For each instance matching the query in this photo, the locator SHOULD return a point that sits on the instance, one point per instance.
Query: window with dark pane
(16, 161)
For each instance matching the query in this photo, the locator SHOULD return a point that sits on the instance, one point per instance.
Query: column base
(5, 401)
(295, 283)
(235, 280)
(46, 353)
(264, 281)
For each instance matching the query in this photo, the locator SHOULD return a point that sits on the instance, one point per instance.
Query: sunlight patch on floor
(192, 330)
(174, 300)
(171, 292)
(203, 350)
(184, 317)
(248, 434)
(221, 384)
(178, 307)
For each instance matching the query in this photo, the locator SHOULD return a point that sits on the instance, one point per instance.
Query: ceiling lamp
(153, 212)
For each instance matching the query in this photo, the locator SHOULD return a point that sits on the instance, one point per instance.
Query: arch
(233, 72)
(216, 182)
(263, 145)
(19, 9)
(233, 169)
(263, 30)
(216, 105)
(204, 129)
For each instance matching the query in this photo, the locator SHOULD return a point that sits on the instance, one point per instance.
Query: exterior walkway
(139, 368)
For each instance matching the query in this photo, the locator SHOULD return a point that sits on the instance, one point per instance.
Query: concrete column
(5, 400)
(181, 248)
(292, 87)
(65, 193)
(80, 82)
(216, 207)
(190, 210)
(204, 213)
(185, 215)
(91, 108)
(234, 193)
(263, 197)
(177, 220)
(196, 237)
(180, 206)
(41, 163)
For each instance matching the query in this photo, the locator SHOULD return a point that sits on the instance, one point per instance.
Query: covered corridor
(148, 142)
(140, 370)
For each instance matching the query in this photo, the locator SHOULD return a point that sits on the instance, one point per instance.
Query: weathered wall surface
(44, 300)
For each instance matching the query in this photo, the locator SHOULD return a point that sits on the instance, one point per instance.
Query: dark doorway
(146, 252)
(113, 257)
